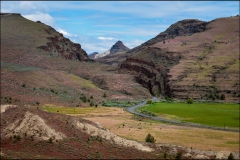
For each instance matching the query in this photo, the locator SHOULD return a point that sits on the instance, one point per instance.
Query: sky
(97, 25)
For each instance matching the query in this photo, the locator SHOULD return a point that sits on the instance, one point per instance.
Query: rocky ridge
(61, 46)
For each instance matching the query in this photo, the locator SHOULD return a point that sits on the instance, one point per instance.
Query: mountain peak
(118, 47)
(119, 42)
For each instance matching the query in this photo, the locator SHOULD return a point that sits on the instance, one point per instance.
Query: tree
(165, 155)
(150, 138)
(179, 155)
(149, 101)
(104, 95)
(230, 157)
(91, 104)
(83, 98)
(23, 85)
(189, 101)
(222, 97)
(50, 140)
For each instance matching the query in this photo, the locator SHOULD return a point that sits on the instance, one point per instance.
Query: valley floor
(124, 124)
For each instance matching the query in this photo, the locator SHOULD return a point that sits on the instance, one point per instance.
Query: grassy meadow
(212, 114)
(75, 110)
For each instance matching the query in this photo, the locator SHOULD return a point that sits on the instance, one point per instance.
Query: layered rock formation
(190, 59)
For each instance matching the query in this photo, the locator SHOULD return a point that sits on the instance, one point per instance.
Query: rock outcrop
(63, 47)
(181, 28)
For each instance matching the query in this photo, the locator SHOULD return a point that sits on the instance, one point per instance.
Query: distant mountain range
(116, 48)
(92, 55)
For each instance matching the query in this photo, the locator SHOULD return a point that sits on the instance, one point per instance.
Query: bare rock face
(152, 71)
(61, 46)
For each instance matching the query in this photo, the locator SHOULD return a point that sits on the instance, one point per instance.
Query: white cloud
(106, 38)
(24, 7)
(28, 4)
(65, 33)
(43, 17)
(90, 48)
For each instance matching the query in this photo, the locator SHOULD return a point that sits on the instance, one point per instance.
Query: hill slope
(190, 59)
(39, 65)
(61, 136)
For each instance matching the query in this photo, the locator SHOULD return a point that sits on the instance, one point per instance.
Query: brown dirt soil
(85, 139)
(74, 144)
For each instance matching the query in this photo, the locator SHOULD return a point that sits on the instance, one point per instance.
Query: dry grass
(135, 129)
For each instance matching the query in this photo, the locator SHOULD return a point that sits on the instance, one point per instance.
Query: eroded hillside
(190, 59)
(30, 132)
(61, 136)
(39, 65)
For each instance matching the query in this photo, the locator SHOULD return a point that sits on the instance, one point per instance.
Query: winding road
(132, 110)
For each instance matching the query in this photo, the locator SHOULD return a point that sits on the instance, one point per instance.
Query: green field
(212, 114)
(74, 110)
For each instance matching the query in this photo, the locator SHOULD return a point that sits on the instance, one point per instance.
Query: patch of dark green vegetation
(119, 103)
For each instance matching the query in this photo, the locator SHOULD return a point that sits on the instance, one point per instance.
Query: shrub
(18, 137)
(147, 112)
(230, 157)
(37, 103)
(179, 155)
(150, 138)
(104, 95)
(91, 104)
(165, 155)
(83, 98)
(189, 101)
(91, 97)
(222, 97)
(50, 140)
(23, 85)
(32, 137)
(210, 96)
(149, 101)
